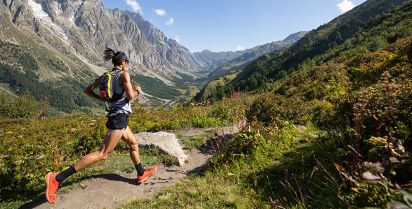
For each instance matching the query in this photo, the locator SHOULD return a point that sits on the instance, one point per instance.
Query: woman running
(117, 125)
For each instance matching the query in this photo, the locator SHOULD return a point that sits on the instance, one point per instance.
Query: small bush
(222, 112)
(272, 108)
(248, 144)
(22, 107)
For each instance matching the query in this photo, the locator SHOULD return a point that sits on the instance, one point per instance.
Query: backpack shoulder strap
(116, 74)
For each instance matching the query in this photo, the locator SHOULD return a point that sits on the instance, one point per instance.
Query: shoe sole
(47, 187)
(143, 180)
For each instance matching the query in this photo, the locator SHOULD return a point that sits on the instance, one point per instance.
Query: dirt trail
(112, 190)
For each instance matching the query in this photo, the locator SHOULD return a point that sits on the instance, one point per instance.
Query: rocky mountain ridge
(84, 28)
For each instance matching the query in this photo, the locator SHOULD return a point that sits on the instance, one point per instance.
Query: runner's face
(125, 65)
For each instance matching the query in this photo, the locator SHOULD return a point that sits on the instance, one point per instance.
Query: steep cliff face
(84, 28)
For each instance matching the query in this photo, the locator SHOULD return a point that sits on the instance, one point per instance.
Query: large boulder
(164, 141)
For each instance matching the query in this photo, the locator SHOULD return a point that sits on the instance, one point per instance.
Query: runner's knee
(134, 147)
(103, 156)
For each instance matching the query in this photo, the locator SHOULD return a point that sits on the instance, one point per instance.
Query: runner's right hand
(138, 89)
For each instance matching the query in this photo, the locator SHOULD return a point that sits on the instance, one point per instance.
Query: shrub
(246, 145)
(221, 111)
(264, 109)
(272, 108)
(21, 107)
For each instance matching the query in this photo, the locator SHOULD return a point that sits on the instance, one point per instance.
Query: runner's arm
(127, 85)
(89, 90)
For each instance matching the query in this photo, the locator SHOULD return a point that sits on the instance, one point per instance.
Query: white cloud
(134, 5)
(170, 21)
(345, 6)
(160, 12)
(240, 48)
(177, 38)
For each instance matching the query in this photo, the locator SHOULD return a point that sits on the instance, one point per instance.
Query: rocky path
(111, 190)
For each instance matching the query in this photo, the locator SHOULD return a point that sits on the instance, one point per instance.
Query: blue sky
(230, 25)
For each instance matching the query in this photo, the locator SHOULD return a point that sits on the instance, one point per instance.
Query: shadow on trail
(36, 202)
(116, 177)
(213, 145)
(197, 170)
(41, 199)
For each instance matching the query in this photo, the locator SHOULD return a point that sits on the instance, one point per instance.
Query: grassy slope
(212, 85)
(269, 166)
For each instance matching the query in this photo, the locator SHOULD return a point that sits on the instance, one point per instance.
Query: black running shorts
(117, 122)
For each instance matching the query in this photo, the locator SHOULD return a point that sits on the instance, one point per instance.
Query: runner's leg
(110, 141)
(131, 140)
(54, 179)
(142, 174)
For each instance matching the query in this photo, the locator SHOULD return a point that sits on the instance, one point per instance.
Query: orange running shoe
(147, 173)
(52, 185)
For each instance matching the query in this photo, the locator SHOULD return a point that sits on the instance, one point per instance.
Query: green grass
(209, 190)
(194, 141)
(193, 90)
(212, 85)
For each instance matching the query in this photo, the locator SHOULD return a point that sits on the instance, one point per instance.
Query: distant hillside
(228, 70)
(210, 60)
(253, 53)
(216, 61)
(365, 28)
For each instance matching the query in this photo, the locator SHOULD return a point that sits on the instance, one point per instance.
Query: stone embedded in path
(164, 141)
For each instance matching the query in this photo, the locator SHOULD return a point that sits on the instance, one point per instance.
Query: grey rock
(369, 176)
(397, 205)
(165, 141)
(375, 168)
(394, 160)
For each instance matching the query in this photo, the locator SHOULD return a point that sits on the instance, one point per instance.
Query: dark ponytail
(116, 57)
(108, 54)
